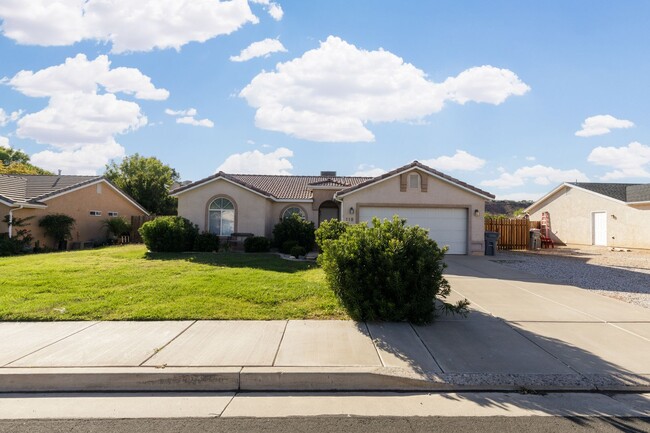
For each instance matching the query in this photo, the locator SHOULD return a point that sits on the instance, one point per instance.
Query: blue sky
(514, 97)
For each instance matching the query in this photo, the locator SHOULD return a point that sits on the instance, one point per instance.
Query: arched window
(414, 181)
(221, 217)
(293, 210)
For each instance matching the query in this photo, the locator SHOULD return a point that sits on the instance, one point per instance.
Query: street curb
(297, 379)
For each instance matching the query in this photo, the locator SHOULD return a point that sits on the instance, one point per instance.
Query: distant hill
(506, 207)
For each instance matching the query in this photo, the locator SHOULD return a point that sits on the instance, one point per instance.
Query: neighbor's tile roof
(627, 192)
(33, 188)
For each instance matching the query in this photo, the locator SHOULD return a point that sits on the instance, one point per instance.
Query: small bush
(287, 246)
(206, 242)
(298, 251)
(330, 230)
(58, 226)
(387, 271)
(257, 244)
(169, 234)
(116, 227)
(294, 228)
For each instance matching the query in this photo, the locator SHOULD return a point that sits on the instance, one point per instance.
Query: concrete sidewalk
(522, 332)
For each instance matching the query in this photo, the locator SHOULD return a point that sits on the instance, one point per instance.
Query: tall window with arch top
(221, 217)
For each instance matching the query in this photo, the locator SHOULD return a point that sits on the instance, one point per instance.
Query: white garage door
(446, 226)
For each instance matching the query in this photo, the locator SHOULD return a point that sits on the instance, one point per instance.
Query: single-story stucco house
(452, 210)
(607, 214)
(88, 199)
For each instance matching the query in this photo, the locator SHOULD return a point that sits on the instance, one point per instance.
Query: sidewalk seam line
(426, 347)
(48, 345)
(284, 330)
(228, 404)
(167, 344)
(372, 340)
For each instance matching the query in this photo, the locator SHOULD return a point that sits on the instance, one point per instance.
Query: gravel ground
(623, 275)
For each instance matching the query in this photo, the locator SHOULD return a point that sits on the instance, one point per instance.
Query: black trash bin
(535, 239)
(491, 239)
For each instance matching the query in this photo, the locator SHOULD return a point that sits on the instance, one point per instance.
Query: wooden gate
(136, 223)
(513, 232)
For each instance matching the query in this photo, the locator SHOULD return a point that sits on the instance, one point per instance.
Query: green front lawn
(127, 283)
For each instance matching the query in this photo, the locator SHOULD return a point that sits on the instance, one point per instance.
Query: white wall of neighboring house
(577, 214)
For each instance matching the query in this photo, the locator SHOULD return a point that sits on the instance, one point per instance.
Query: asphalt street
(337, 424)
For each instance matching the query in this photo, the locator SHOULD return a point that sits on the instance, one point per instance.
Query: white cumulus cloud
(628, 161)
(368, 170)
(539, 174)
(259, 49)
(333, 92)
(9, 117)
(4, 142)
(256, 162)
(83, 114)
(602, 124)
(461, 160)
(143, 25)
(274, 9)
(187, 117)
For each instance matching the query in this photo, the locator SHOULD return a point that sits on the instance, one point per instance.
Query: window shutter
(424, 182)
(402, 182)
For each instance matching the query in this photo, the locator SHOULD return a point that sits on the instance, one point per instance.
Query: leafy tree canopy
(147, 180)
(14, 161)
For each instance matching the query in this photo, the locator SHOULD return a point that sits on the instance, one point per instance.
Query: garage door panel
(447, 226)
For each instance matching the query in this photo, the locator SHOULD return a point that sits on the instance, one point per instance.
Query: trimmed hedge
(298, 251)
(206, 242)
(294, 228)
(169, 234)
(257, 244)
(386, 271)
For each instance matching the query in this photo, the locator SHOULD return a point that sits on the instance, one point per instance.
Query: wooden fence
(136, 223)
(513, 232)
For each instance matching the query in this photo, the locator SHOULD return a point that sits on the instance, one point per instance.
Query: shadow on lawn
(262, 261)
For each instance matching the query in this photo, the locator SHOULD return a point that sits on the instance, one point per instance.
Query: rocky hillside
(506, 207)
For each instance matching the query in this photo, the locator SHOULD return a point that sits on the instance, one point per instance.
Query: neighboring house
(247, 203)
(607, 214)
(87, 199)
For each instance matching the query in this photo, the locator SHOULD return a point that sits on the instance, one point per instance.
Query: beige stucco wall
(439, 194)
(78, 204)
(252, 211)
(571, 210)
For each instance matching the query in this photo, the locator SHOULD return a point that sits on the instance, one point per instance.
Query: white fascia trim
(221, 178)
(328, 187)
(6, 203)
(291, 200)
(422, 171)
(101, 180)
(28, 206)
(638, 202)
(570, 185)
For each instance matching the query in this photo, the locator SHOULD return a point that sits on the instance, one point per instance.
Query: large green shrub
(257, 244)
(206, 242)
(330, 230)
(116, 227)
(58, 226)
(294, 228)
(169, 234)
(387, 271)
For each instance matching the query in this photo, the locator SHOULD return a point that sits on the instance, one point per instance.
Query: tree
(14, 161)
(147, 180)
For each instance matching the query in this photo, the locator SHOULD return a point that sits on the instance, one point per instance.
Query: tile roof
(287, 187)
(281, 187)
(627, 192)
(33, 188)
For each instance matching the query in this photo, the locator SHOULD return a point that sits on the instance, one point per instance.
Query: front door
(599, 228)
(327, 211)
